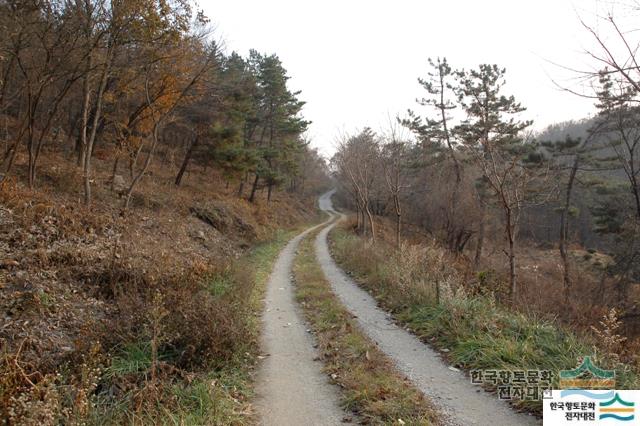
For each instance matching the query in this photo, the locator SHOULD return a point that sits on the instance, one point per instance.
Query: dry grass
(540, 280)
(464, 318)
(372, 388)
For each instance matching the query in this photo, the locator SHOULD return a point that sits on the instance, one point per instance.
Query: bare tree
(100, 29)
(356, 160)
(395, 158)
(168, 94)
(42, 37)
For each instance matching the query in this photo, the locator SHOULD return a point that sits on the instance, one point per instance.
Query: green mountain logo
(587, 376)
(617, 409)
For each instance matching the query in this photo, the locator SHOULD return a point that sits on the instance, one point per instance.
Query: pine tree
(491, 134)
(570, 157)
(435, 135)
(279, 120)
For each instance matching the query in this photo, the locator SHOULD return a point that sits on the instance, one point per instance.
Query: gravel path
(451, 392)
(291, 387)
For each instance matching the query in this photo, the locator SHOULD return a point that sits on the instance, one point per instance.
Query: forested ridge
(124, 79)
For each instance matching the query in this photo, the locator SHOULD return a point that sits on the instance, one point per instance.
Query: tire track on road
(291, 387)
(450, 391)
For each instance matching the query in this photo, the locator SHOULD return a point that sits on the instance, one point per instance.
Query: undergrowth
(178, 349)
(219, 393)
(425, 292)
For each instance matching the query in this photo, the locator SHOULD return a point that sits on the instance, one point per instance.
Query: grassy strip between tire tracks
(371, 387)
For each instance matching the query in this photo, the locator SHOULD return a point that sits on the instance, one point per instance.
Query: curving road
(458, 400)
(291, 387)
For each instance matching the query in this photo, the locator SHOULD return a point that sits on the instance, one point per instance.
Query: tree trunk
(241, 186)
(10, 154)
(480, 242)
(32, 160)
(302, 185)
(398, 225)
(87, 183)
(133, 161)
(79, 152)
(71, 145)
(270, 190)
(511, 236)
(90, 142)
(32, 174)
(114, 170)
(252, 197)
(8, 160)
(145, 166)
(512, 269)
(564, 230)
(371, 223)
(396, 203)
(635, 185)
(84, 124)
(187, 158)
(31, 169)
(452, 228)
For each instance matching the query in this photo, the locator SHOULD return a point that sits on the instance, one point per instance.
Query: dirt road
(291, 387)
(462, 403)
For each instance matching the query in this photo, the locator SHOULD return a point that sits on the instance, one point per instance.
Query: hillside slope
(102, 307)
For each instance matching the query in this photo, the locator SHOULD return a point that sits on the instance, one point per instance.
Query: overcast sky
(357, 62)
